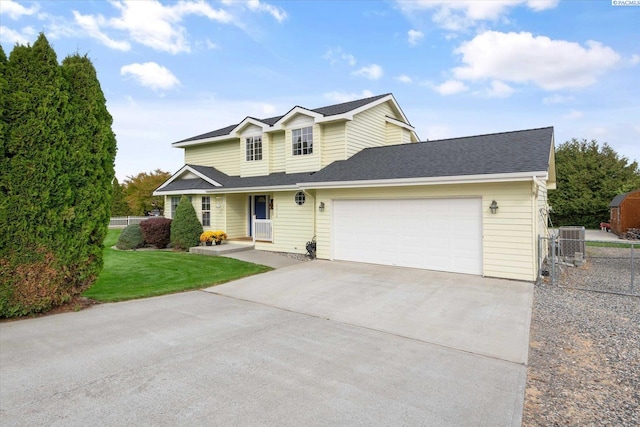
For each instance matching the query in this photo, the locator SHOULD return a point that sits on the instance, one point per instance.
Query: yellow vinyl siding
(333, 143)
(254, 167)
(508, 241)
(292, 224)
(394, 134)
(224, 156)
(306, 162)
(368, 129)
(237, 216)
(277, 155)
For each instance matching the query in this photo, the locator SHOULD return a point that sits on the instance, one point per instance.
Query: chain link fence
(589, 264)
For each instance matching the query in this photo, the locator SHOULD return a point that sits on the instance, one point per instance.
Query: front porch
(227, 247)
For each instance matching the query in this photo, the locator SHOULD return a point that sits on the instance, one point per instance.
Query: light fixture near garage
(493, 207)
(321, 207)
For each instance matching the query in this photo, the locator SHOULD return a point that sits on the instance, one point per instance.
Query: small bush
(156, 231)
(130, 238)
(186, 228)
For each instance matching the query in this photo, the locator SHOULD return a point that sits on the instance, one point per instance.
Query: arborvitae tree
(3, 137)
(185, 228)
(89, 168)
(56, 180)
(119, 206)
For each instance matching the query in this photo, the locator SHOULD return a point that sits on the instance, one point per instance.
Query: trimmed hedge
(130, 238)
(156, 231)
(186, 228)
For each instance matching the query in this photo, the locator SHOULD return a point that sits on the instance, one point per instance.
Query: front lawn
(139, 274)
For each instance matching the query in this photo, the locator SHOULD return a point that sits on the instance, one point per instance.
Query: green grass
(139, 274)
(613, 244)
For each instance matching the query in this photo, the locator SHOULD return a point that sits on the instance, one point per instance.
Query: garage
(433, 234)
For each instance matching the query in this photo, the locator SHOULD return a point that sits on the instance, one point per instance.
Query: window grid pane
(302, 141)
(206, 211)
(253, 148)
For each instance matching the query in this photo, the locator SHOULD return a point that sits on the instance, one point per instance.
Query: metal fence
(589, 264)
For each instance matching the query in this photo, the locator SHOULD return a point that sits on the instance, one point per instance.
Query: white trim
(399, 123)
(298, 110)
(176, 175)
(235, 190)
(461, 179)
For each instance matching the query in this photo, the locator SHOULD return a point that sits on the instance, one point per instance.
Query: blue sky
(174, 69)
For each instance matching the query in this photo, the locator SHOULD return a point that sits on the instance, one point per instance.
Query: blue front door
(258, 207)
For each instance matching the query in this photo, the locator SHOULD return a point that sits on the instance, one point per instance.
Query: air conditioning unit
(571, 241)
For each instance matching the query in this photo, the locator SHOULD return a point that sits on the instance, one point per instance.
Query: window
(174, 205)
(206, 211)
(254, 148)
(299, 198)
(302, 141)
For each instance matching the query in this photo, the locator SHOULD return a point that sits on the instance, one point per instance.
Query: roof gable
(342, 111)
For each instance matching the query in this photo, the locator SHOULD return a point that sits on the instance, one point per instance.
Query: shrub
(130, 238)
(186, 228)
(156, 231)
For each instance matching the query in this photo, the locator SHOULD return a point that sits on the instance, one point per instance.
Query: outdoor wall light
(493, 206)
(321, 207)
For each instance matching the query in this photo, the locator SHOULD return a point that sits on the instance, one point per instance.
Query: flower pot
(218, 242)
(208, 243)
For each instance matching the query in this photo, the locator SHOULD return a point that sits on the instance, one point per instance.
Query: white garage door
(434, 234)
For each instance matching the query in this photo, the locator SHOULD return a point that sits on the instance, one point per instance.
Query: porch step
(223, 249)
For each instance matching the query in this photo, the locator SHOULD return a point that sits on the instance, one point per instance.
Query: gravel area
(584, 358)
(605, 269)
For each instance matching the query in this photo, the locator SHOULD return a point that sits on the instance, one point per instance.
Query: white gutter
(461, 179)
(264, 189)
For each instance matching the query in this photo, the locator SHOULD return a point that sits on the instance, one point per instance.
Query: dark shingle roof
(330, 110)
(230, 183)
(499, 153)
(617, 200)
(345, 107)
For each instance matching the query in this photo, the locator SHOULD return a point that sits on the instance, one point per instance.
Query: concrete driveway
(319, 343)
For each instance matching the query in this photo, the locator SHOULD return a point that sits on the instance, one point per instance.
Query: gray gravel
(584, 359)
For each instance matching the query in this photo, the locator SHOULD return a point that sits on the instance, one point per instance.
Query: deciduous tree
(139, 191)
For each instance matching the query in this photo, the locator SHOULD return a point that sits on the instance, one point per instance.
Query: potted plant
(219, 236)
(207, 237)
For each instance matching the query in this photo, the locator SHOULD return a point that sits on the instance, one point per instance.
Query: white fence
(123, 221)
(262, 230)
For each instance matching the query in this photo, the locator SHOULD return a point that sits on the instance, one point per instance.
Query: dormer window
(302, 141)
(254, 148)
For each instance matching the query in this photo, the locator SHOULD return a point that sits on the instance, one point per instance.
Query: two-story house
(355, 176)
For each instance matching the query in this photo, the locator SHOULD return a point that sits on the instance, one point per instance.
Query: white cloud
(450, 87)
(336, 54)
(150, 23)
(151, 75)
(499, 89)
(635, 59)
(461, 14)
(15, 10)
(523, 58)
(573, 114)
(371, 72)
(256, 5)
(91, 25)
(414, 37)
(403, 78)
(13, 36)
(340, 97)
(557, 99)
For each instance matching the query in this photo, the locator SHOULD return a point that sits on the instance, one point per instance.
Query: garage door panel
(436, 234)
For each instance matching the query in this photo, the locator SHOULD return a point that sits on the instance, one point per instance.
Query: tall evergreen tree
(589, 177)
(56, 179)
(89, 169)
